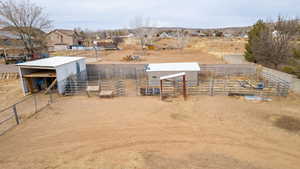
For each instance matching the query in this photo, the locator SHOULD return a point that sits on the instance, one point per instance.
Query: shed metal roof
(184, 67)
(50, 62)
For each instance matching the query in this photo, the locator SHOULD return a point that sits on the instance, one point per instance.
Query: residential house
(11, 45)
(197, 34)
(228, 35)
(107, 45)
(62, 39)
(164, 35)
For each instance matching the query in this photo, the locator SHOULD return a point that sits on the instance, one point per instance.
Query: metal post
(211, 85)
(161, 90)
(16, 114)
(184, 87)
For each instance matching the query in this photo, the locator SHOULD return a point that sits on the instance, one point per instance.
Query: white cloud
(102, 14)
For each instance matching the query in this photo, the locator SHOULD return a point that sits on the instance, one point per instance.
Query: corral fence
(17, 113)
(213, 87)
(234, 79)
(78, 85)
(115, 71)
(9, 76)
(214, 79)
(135, 71)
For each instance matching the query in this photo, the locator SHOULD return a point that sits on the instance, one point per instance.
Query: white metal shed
(157, 70)
(49, 69)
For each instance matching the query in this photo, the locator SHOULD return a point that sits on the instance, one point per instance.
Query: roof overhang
(37, 67)
(172, 76)
(50, 63)
(173, 67)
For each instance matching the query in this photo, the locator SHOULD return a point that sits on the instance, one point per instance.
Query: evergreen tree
(253, 36)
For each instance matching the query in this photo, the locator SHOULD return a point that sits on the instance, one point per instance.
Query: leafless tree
(182, 38)
(144, 30)
(27, 20)
(274, 45)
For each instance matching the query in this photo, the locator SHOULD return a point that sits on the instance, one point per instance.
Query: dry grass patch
(289, 123)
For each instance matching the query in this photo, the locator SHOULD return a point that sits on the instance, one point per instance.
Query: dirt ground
(10, 92)
(202, 50)
(145, 133)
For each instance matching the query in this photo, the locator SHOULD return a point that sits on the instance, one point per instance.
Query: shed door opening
(38, 80)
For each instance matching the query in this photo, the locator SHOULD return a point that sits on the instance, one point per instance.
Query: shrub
(253, 35)
(288, 69)
(296, 53)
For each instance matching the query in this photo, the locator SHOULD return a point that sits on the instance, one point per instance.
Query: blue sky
(114, 14)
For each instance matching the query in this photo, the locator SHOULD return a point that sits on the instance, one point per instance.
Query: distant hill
(229, 30)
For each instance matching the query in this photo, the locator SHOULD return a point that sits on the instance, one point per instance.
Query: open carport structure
(46, 73)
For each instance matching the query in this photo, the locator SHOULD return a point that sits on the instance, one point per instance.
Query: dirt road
(143, 132)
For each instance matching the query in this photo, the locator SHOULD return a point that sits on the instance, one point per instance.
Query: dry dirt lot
(186, 55)
(10, 92)
(202, 50)
(145, 133)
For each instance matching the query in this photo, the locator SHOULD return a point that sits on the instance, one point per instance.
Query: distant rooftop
(64, 31)
(8, 35)
(52, 62)
(188, 66)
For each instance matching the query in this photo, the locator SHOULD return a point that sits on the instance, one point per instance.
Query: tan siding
(59, 38)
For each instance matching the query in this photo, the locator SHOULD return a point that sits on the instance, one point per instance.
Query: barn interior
(38, 79)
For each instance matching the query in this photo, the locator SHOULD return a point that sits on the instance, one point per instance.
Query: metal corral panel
(51, 62)
(178, 67)
(67, 70)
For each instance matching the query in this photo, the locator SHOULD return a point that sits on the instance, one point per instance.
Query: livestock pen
(213, 79)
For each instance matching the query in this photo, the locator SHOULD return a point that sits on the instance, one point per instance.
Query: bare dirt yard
(145, 133)
(10, 92)
(202, 50)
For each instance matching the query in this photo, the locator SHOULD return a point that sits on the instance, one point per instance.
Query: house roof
(8, 35)
(52, 62)
(14, 30)
(63, 31)
(184, 67)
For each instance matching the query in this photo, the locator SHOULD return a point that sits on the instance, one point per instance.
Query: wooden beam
(51, 85)
(29, 80)
(40, 74)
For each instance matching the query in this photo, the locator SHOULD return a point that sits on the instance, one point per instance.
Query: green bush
(248, 54)
(288, 69)
(254, 36)
(296, 53)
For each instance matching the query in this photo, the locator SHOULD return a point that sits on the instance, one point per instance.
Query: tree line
(275, 45)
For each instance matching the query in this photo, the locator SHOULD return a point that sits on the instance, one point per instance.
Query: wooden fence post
(50, 97)
(16, 114)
